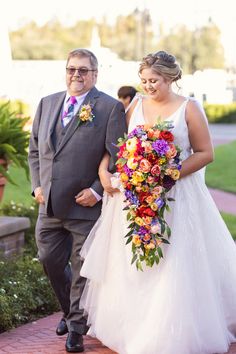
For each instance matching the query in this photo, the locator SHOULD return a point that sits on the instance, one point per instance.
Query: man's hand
(86, 198)
(38, 193)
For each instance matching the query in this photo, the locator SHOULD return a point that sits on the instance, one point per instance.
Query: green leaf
(139, 265)
(129, 240)
(159, 250)
(134, 258)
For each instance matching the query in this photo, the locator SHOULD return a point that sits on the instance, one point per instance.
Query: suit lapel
(54, 113)
(74, 124)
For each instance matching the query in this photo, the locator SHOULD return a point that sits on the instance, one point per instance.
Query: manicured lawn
(221, 174)
(20, 193)
(230, 221)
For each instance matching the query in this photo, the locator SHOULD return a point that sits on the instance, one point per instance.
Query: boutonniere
(85, 113)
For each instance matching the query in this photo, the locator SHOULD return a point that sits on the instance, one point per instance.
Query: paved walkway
(225, 201)
(40, 338)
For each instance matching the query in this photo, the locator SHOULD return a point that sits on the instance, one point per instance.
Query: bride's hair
(163, 64)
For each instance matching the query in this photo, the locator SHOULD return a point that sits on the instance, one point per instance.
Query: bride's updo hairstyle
(163, 64)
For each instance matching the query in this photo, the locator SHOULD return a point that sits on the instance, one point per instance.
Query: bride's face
(154, 85)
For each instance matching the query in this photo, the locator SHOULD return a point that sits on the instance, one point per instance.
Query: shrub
(221, 113)
(14, 140)
(25, 292)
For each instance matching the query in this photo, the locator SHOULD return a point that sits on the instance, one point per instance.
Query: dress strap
(137, 97)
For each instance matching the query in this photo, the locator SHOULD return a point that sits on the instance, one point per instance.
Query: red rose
(149, 212)
(142, 196)
(145, 211)
(166, 135)
(152, 158)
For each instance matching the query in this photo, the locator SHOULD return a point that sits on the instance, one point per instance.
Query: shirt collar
(78, 98)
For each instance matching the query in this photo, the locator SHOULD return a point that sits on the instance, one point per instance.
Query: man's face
(79, 82)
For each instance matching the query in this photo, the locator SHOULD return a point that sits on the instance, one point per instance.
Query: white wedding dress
(186, 304)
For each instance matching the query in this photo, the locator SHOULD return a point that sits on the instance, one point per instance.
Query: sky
(192, 13)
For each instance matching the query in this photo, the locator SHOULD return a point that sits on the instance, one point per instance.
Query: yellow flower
(131, 144)
(139, 221)
(124, 177)
(137, 177)
(136, 240)
(145, 188)
(162, 160)
(175, 174)
(132, 163)
(85, 113)
(154, 206)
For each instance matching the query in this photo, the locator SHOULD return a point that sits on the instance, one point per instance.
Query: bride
(186, 304)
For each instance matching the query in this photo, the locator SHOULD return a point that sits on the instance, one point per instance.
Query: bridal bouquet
(149, 166)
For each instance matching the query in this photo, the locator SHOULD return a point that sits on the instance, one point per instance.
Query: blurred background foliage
(129, 37)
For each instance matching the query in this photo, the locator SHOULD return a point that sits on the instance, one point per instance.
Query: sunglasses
(81, 71)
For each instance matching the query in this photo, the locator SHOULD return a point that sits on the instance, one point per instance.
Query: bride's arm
(105, 175)
(199, 138)
(103, 171)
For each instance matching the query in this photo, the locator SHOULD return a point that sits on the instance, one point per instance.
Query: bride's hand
(105, 178)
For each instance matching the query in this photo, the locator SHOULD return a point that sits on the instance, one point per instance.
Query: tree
(196, 50)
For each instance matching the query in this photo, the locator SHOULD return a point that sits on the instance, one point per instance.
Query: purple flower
(142, 230)
(160, 146)
(128, 171)
(132, 198)
(137, 132)
(159, 202)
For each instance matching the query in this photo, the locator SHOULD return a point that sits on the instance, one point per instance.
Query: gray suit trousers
(59, 243)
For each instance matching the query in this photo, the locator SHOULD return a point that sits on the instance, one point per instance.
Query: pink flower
(155, 170)
(144, 165)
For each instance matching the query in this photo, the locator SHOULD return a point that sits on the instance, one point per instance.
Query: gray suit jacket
(64, 172)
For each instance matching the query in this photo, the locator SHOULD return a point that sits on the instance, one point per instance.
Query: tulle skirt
(186, 304)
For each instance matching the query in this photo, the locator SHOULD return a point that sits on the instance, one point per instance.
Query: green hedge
(25, 292)
(221, 113)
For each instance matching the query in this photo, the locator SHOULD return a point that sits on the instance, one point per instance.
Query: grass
(21, 193)
(230, 221)
(221, 174)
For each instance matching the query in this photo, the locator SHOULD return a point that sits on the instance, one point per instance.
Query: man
(71, 132)
(126, 94)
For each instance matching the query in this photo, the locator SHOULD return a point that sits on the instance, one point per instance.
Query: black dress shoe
(74, 343)
(62, 328)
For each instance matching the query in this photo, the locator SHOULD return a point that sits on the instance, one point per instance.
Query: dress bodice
(180, 129)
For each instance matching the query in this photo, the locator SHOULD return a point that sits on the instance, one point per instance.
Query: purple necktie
(69, 112)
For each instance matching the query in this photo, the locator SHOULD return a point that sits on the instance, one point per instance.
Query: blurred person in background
(126, 94)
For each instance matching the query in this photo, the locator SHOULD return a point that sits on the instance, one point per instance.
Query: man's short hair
(84, 53)
(126, 91)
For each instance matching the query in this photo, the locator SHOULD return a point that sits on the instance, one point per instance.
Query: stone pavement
(39, 338)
